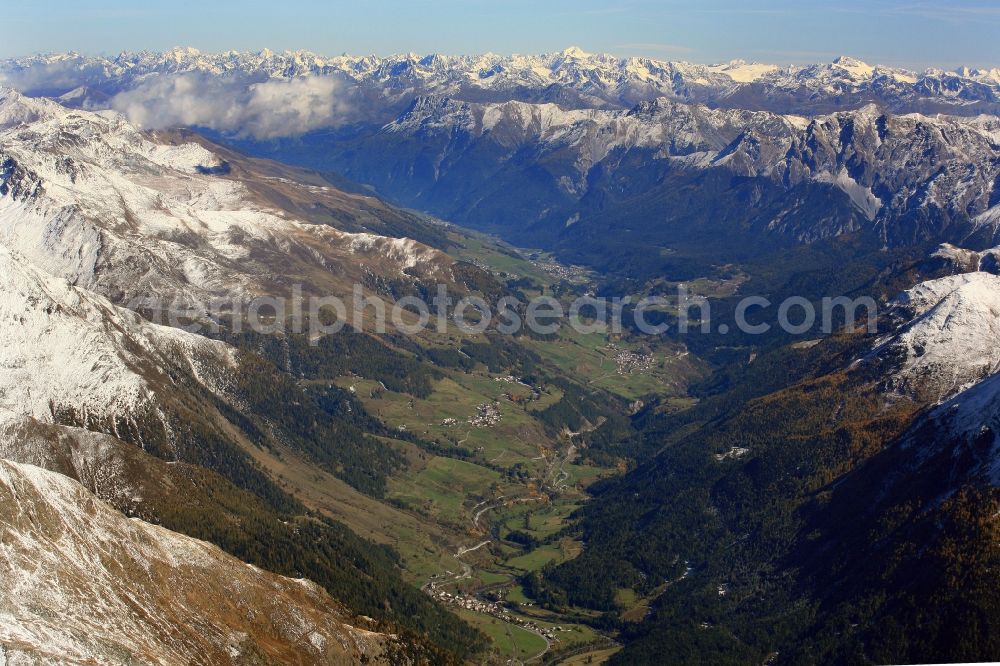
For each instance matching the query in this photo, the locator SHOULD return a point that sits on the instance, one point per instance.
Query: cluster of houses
(734, 452)
(487, 415)
(629, 361)
(493, 608)
(571, 274)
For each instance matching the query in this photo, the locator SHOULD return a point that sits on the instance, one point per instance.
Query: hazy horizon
(763, 61)
(913, 35)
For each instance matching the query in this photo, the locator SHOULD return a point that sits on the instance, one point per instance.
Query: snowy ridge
(943, 354)
(89, 197)
(101, 463)
(69, 349)
(970, 423)
(82, 583)
(962, 260)
(405, 252)
(948, 336)
(15, 110)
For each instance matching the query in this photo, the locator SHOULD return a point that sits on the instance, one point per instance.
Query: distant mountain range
(570, 77)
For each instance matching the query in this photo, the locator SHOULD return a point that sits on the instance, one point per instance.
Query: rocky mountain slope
(90, 198)
(74, 358)
(169, 426)
(73, 354)
(945, 336)
(83, 584)
(909, 175)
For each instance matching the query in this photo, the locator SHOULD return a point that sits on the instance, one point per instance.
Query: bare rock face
(79, 582)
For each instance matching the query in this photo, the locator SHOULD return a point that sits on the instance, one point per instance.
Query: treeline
(180, 431)
(321, 421)
(344, 353)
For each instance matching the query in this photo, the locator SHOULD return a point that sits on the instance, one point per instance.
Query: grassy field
(536, 559)
(569, 634)
(540, 520)
(516, 595)
(588, 357)
(491, 578)
(508, 640)
(591, 658)
(440, 489)
(583, 474)
(626, 598)
(486, 251)
(516, 438)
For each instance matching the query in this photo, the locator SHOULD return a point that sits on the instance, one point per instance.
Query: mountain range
(570, 77)
(902, 177)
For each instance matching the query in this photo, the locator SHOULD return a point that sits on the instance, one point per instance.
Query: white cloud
(54, 77)
(268, 109)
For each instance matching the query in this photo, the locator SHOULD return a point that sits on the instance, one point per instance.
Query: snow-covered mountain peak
(585, 78)
(574, 52)
(948, 335)
(854, 66)
(180, 53)
(742, 71)
(16, 109)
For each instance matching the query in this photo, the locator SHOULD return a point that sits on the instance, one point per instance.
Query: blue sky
(892, 32)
